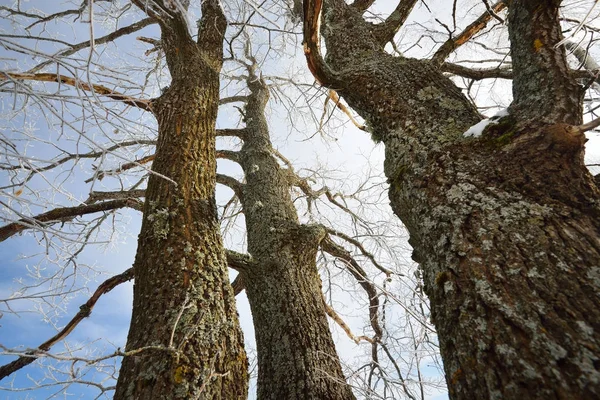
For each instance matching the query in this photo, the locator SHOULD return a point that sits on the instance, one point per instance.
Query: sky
(350, 153)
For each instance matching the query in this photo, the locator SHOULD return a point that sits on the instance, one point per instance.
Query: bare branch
(97, 196)
(475, 27)
(360, 275)
(137, 163)
(477, 74)
(231, 183)
(229, 155)
(385, 31)
(232, 132)
(238, 285)
(500, 72)
(364, 251)
(101, 40)
(60, 14)
(64, 214)
(233, 99)
(84, 311)
(92, 154)
(239, 261)
(99, 89)
(362, 5)
(20, 13)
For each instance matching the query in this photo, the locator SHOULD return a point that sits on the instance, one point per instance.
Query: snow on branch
(477, 129)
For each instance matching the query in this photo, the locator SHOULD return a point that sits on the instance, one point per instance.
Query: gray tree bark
(297, 358)
(505, 227)
(184, 341)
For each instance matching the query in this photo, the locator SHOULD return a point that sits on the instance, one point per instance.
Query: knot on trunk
(564, 139)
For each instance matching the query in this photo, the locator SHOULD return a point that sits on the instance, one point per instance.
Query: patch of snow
(501, 113)
(477, 129)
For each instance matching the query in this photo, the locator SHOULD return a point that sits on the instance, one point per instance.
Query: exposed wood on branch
(338, 320)
(312, 48)
(333, 96)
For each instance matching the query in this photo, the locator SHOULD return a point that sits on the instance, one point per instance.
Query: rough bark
(184, 341)
(543, 89)
(505, 227)
(297, 358)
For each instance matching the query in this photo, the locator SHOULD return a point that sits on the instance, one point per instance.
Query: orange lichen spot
(456, 376)
(537, 44)
(19, 192)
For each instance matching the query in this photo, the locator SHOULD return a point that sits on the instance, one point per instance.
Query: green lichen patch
(159, 218)
(502, 132)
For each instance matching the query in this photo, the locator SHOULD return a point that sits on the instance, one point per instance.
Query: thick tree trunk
(184, 341)
(506, 227)
(297, 358)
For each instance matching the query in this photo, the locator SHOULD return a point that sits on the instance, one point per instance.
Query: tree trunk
(297, 358)
(184, 341)
(506, 227)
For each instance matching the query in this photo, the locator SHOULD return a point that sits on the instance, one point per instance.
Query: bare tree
(296, 354)
(185, 338)
(172, 327)
(504, 225)
(181, 285)
(488, 216)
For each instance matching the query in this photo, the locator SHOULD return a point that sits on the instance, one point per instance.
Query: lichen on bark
(184, 341)
(505, 227)
(297, 358)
